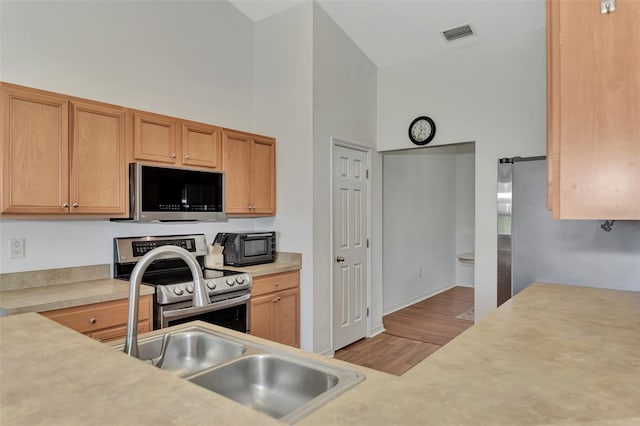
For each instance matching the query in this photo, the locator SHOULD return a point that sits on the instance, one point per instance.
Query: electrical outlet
(16, 248)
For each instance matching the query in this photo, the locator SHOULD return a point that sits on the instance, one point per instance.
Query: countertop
(285, 262)
(554, 354)
(58, 296)
(63, 293)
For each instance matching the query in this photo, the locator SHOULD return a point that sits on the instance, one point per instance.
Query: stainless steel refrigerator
(532, 246)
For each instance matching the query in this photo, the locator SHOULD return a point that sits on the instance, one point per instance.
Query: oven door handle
(187, 312)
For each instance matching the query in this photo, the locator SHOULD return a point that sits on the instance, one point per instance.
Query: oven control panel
(140, 248)
(174, 293)
(131, 249)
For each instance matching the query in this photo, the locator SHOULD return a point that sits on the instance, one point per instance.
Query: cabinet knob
(93, 320)
(65, 205)
(75, 204)
(275, 300)
(276, 284)
(186, 157)
(173, 155)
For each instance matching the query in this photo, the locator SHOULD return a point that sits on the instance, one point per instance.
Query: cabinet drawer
(275, 282)
(97, 316)
(119, 332)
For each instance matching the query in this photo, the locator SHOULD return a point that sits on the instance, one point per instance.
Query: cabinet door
(155, 137)
(236, 152)
(263, 176)
(35, 156)
(263, 316)
(595, 104)
(98, 178)
(287, 317)
(201, 145)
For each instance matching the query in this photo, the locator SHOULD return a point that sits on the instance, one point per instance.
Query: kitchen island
(554, 354)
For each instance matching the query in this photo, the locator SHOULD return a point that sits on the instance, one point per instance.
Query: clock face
(422, 130)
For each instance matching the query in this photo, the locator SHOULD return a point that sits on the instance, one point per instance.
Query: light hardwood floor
(413, 333)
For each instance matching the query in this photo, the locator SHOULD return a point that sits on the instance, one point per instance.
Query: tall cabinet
(250, 168)
(593, 140)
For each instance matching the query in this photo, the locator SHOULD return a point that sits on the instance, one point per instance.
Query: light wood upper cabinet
(68, 155)
(155, 137)
(593, 146)
(98, 174)
(173, 141)
(249, 165)
(201, 145)
(61, 156)
(263, 176)
(35, 156)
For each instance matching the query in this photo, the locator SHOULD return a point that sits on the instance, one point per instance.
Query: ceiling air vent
(458, 32)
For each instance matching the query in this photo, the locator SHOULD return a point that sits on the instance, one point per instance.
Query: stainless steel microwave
(247, 248)
(169, 194)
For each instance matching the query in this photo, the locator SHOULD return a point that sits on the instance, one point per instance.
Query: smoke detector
(458, 32)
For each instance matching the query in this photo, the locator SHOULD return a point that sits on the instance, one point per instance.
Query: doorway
(428, 223)
(350, 243)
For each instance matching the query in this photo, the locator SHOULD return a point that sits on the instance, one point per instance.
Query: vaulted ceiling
(395, 31)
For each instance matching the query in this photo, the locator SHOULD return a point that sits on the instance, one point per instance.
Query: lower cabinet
(275, 308)
(104, 321)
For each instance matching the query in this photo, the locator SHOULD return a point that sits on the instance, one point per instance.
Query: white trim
(327, 352)
(378, 330)
(419, 298)
(344, 143)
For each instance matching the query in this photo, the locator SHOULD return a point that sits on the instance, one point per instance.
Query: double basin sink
(281, 385)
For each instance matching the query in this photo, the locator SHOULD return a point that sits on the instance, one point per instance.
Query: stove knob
(190, 288)
(211, 285)
(240, 280)
(178, 291)
(230, 282)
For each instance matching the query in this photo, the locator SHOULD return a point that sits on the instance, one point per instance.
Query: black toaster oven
(247, 248)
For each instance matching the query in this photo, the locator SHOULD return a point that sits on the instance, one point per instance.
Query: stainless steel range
(229, 292)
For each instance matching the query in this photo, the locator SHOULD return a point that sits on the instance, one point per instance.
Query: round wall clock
(422, 130)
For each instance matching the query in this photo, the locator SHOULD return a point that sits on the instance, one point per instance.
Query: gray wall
(344, 95)
(283, 107)
(573, 252)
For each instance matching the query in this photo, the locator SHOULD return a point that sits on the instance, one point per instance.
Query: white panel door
(350, 218)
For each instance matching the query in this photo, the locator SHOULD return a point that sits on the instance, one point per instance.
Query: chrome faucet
(200, 295)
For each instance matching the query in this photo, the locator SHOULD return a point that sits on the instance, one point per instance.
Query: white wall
(344, 98)
(283, 108)
(188, 59)
(419, 225)
(493, 94)
(465, 210)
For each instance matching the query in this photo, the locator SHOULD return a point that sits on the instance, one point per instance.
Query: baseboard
(465, 285)
(377, 330)
(419, 298)
(327, 353)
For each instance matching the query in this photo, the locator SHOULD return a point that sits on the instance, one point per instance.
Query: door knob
(339, 259)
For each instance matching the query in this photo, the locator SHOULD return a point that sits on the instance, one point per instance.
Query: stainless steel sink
(189, 351)
(279, 387)
(282, 385)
